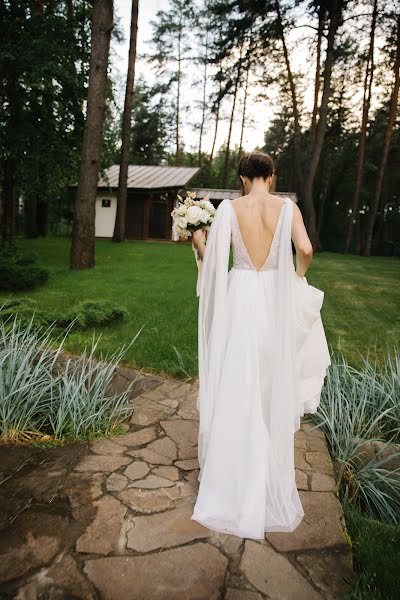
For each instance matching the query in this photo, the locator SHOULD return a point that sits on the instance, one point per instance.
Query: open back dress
(263, 357)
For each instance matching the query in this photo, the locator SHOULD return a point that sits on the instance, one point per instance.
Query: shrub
(359, 406)
(18, 271)
(85, 315)
(40, 400)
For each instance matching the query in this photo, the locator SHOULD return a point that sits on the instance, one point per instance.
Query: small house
(151, 197)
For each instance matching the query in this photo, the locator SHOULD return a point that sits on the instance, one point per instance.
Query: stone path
(135, 493)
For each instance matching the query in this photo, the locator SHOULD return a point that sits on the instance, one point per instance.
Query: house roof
(218, 194)
(148, 177)
(215, 194)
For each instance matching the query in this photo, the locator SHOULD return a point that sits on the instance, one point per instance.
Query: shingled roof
(148, 177)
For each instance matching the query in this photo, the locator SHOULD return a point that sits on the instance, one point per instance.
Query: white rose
(181, 222)
(193, 214)
(207, 205)
(205, 215)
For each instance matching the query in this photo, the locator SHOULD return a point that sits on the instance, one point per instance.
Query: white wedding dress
(263, 357)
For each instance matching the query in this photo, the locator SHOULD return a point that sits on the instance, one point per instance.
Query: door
(134, 217)
(157, 219)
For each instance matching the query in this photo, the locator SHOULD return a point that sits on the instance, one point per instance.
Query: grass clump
(359, 413)
(43, 400)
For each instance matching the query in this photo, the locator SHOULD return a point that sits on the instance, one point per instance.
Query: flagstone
(61, 580)
(155, 394)
(180, 391)
(170, 528)
(171, 473)
(151, 457)
(195, 571)
(301, 480)
(188, 408)
(137, 438)
(170, 403)
(274, 575)
(102, 535)
(168, 386)
(311, 429)
(332, 572)
(300, 459)
(192, 475)
(181, 489)
(145, 416)
(187, 465)
(116, 482)
(137, 470)
(184, 433)
(322, 483)
(320, 528)
(107, 446)
(97, 462)
(185, 452)
(316, 444)
(146, 501)
(320, 462)
(233, 594)
(152, 481)
(164, 446)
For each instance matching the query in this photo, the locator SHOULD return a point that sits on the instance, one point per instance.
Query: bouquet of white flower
(192, 214)
(189, 216)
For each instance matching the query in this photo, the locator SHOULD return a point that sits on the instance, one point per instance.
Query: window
(106, 202)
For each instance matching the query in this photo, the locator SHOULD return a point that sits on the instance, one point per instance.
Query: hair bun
(256, 164)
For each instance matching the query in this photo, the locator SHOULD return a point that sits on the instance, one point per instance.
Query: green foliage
(152, 124)
(43, 399)
(86, 315)
(18, 271)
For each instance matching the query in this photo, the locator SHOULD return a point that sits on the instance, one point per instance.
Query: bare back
(258, 218)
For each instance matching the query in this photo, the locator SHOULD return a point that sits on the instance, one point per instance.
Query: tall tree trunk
(324, 192)
(313, 131)
(246, 87)
(178, 99)
(388, 136)
(369, 75)
(204, 98)
(216, 125)
(8, 200)
(120, 219)
(335, 12)
(295, 106)
(228, 142)
(9, 161)
(82, 254)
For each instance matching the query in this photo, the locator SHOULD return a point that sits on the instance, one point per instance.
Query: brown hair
(256, 164)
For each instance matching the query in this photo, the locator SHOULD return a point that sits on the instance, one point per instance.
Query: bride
(263, 357)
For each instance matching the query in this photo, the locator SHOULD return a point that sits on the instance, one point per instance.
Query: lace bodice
(241, 258)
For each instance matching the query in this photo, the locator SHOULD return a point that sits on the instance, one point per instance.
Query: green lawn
(376, 552)
(156, 283)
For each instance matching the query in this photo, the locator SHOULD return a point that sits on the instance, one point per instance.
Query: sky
(258, 113)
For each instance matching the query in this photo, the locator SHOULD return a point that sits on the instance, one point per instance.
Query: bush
(359, 409)
(19, 272)
(85, 315)
(39, 400)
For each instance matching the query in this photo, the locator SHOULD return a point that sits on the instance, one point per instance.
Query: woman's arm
(301, 241)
